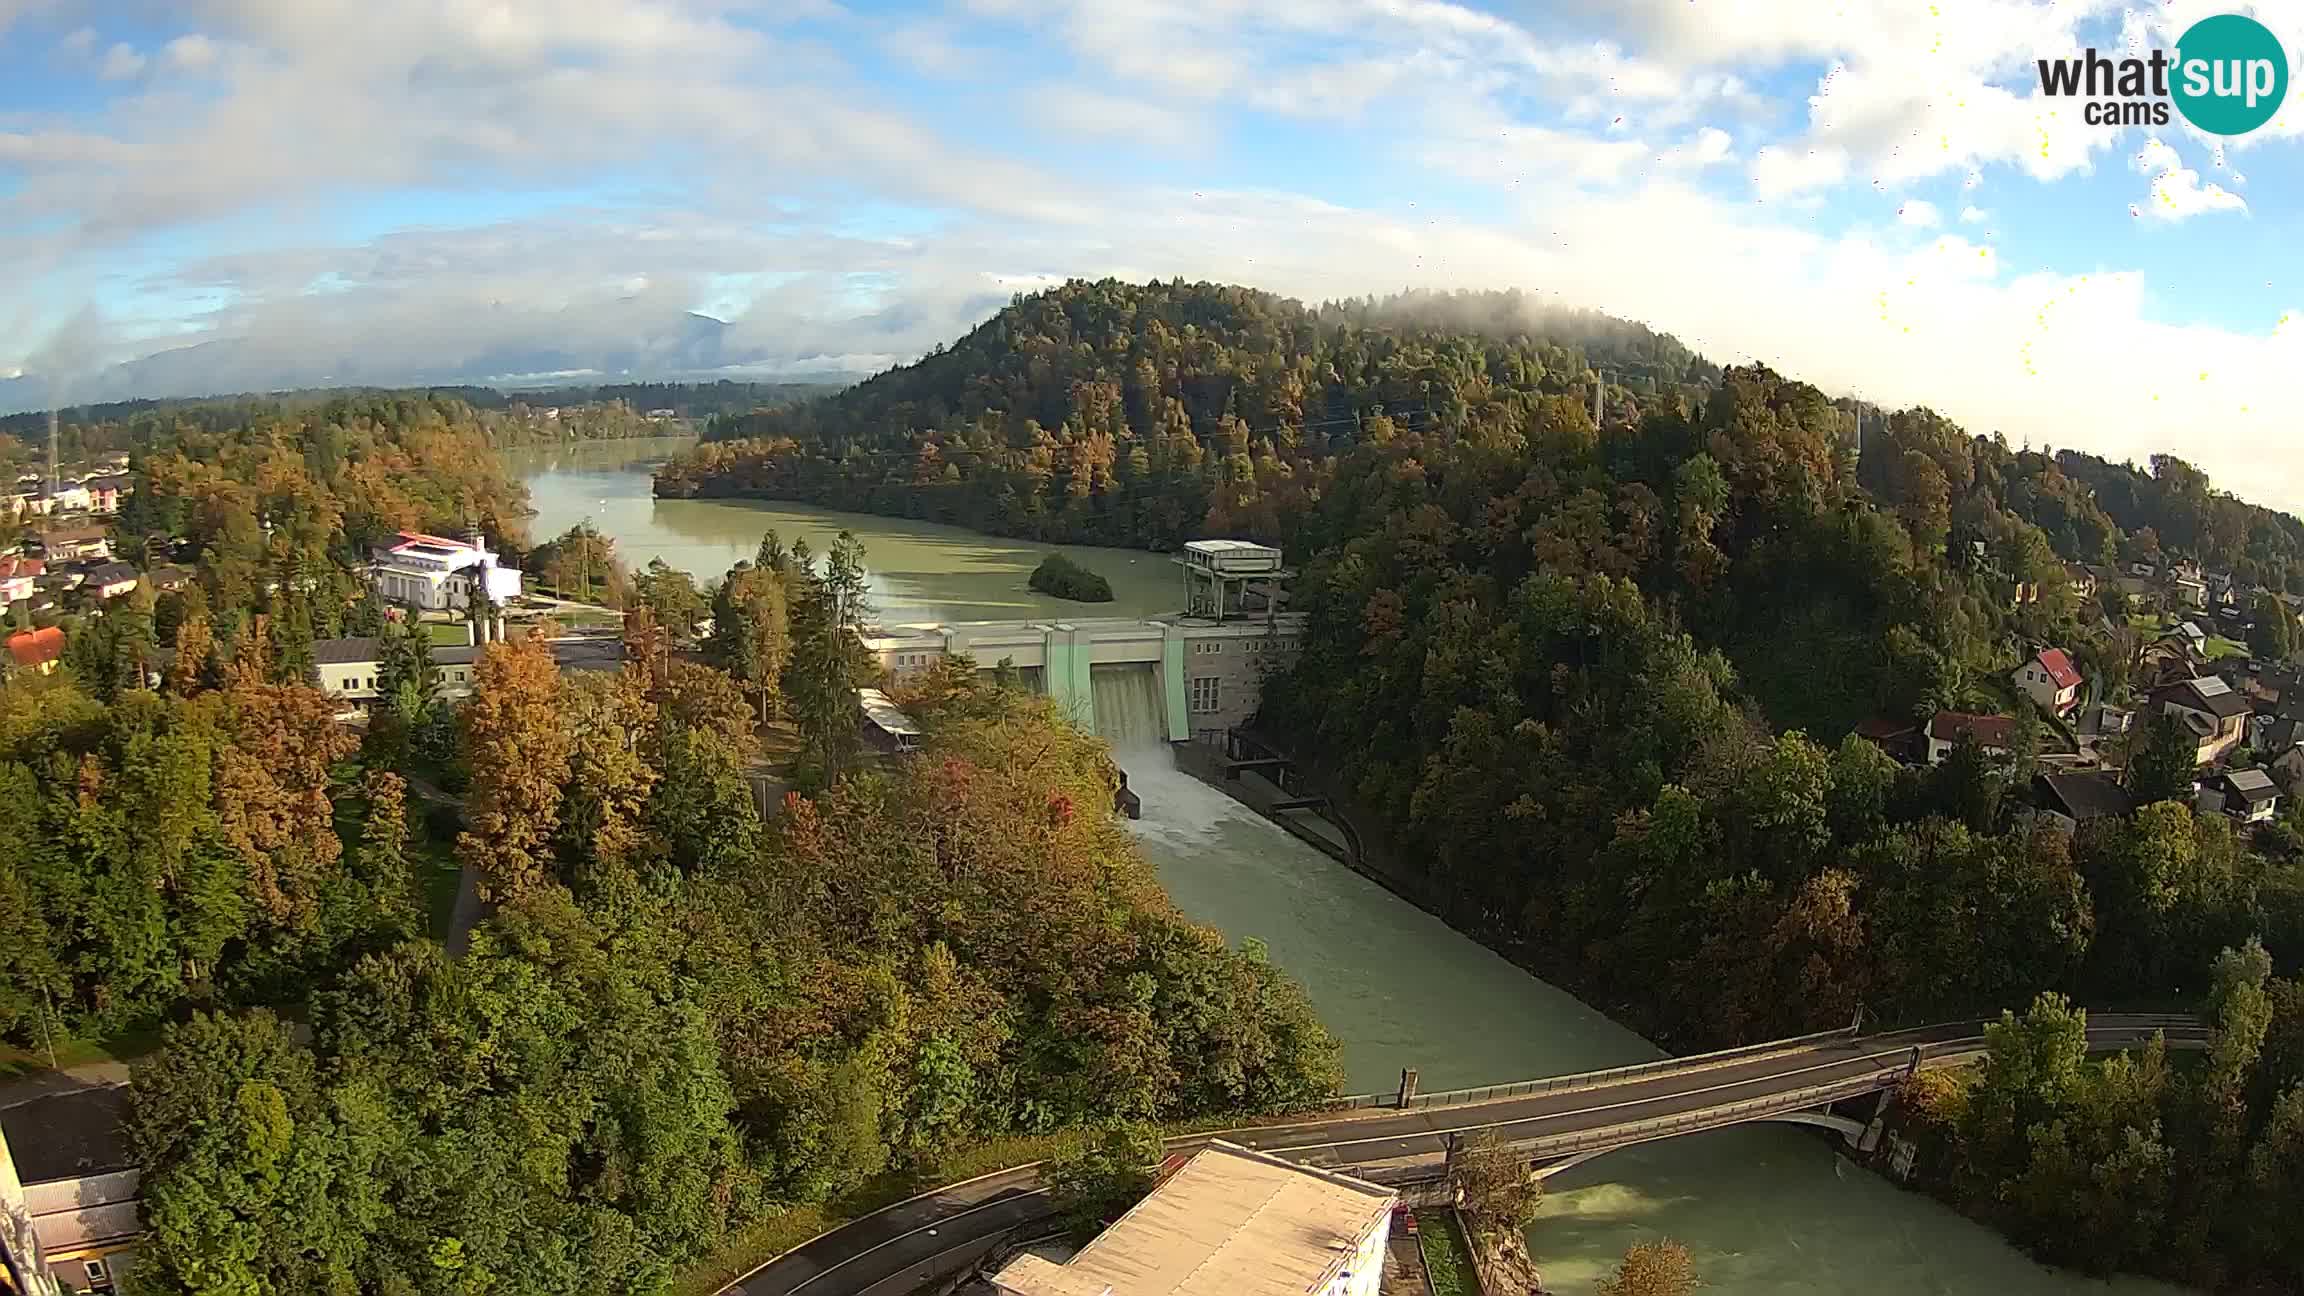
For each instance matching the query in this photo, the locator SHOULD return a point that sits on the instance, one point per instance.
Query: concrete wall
(1211, 673)
(1362, 1274)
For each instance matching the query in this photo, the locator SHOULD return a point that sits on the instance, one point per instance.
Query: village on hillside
(2190, 666)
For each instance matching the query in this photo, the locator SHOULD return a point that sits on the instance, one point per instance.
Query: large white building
(1231, 1222)
(439, 575)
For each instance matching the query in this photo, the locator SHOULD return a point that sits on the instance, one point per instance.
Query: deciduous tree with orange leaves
(516, 733)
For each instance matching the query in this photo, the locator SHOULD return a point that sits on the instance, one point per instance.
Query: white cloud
(192, 53)
(1919, 213)
(80, 40)
(1710, 146)
(1779, 172)
(1974, 215)
(2177, 193)
(121, 62)
(1540, 155)
(1093, 112)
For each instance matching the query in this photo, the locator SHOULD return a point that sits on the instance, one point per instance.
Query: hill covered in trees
(1110, 413)
(1597, 680)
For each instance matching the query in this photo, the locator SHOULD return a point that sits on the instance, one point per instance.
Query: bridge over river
(1404, 1138)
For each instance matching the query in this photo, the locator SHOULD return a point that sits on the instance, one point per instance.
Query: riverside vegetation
(1605, 676)
(678, 1021)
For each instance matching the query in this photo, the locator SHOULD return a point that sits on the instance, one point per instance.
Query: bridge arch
(1847, 1127)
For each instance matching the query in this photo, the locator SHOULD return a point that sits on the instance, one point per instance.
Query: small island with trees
(1065, 579)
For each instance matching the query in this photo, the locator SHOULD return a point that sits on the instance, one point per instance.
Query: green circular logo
(2230, 75)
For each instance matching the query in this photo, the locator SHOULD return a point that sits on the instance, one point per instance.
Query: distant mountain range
(687, 347)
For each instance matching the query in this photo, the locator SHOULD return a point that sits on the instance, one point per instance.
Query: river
(920, 572)
(1765, 1211)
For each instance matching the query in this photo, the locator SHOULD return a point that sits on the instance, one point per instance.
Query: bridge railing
(1610, 1075)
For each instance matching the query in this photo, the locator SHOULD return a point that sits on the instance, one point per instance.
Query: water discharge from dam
(1766, 1211)
(1129, 709)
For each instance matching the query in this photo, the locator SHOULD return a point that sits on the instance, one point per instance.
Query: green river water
(1764, 1210)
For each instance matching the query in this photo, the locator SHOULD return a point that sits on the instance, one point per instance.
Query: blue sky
(1868, 195)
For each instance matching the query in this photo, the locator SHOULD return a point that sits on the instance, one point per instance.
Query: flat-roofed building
(1231, 1222)
(437, 574)
(70, 1191)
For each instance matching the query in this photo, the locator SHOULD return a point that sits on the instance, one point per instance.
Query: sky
(218, 195)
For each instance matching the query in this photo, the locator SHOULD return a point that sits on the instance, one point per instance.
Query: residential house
(68, 497)
(104, 492)
(2192, 634)
(2212, 714)
(2111, 720)
(350, 668)
(2274, 732)
(36, 650)
(82, 540)
(2081, 795)
(2081, 580)
(26, 501)
(1899, 738)
(168, 577)
(435, 574)
(2190, 590)
(1230, 1221)
(2143, 570)
(2050, 680)
(1946, 727)
(19, 577)
(2247, 795)
(112, 579)
(68, 1177)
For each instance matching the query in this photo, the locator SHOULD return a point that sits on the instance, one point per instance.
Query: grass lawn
(2219, 646)
(70, 1052)
(446, 634)
(1447, 1258)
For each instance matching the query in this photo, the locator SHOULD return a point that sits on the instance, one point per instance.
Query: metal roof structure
(885, 714)
(2252, 784)
(1232, 1222)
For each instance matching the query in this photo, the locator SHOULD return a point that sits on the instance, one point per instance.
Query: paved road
(894, 1250)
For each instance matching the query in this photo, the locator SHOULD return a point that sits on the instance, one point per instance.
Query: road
(894, 1250)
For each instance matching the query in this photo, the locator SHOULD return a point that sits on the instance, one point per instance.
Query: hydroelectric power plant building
(1139, 680)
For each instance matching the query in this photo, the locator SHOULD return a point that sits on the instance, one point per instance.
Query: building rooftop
(2252, 784)
(2084, 795)
(2205, 694)
(69, 1135)
(1231, 1222)
(886, 715)
(1990, 730)
(112, 573)
(37, 647)
(342, 652)
(2059, 667)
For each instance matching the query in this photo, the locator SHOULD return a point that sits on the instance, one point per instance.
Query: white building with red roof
(436, 574)
(19, 577)
(2049, 679)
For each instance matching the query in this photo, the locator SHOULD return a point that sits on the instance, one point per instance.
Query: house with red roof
(2049, 679)
(36, 650)
(1991, 732)
(19, 577)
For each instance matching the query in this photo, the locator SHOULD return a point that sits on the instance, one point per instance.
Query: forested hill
(1147, 414)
